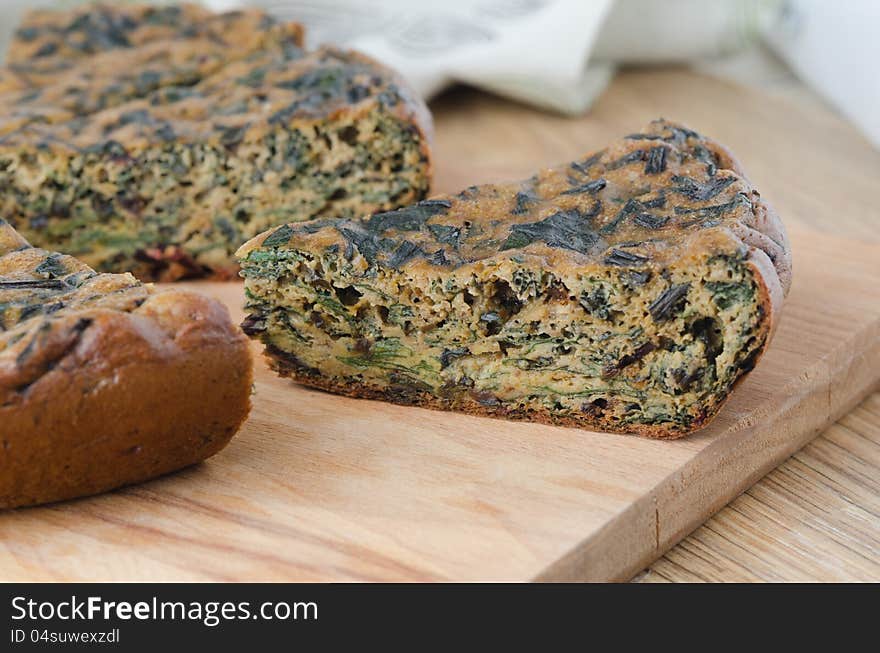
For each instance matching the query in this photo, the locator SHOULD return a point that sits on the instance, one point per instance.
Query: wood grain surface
(816, 517)
(318, 487)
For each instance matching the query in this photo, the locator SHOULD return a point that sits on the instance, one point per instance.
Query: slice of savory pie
(626, 291)
(105, 381)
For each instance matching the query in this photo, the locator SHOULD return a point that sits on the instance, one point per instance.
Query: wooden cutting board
(319, 487)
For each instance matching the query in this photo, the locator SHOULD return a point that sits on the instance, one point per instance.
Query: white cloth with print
(557, 54)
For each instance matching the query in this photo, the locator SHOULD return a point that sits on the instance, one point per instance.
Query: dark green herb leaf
(525, 199)
(365, 242)
(139, 117)
(438, 258)
(48, 284)
(230, 233)
(165, 132)
(644, 137)
(281, 236)
(565, 229)
(409, 218)
(715, 210)
(584, 166)
(146, 81)
(357, 93)
(590, 187)
(635, 278)
(404, 252)
(110, 148)
(694, 190)
(469, 193)
(27, 34)
(232, 136)
(640, 352)
(626, 159)
(656, 160)
(319, 79)
(631, 206)
(670, 302)
(595, 302)
(253, 78)
(676, 134)
(46, 50)
(727, 294)
(449, 355)
(254, 324)
(650, 221)
(446, 234)
(51, 267)
(655, 202)
(625, 259)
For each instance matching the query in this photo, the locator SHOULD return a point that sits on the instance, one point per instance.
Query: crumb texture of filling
(618, 292)
(157, 139)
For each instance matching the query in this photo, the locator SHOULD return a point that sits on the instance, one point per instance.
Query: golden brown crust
(770, 260)
(52, 39)
(97, 396)
(134, 399)
(767, 232)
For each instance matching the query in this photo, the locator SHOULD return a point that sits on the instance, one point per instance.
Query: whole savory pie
(156, 140)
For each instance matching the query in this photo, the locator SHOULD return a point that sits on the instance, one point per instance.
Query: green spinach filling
(524, 340)
(198, 201)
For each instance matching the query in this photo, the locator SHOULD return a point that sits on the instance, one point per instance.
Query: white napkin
(557, 54)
